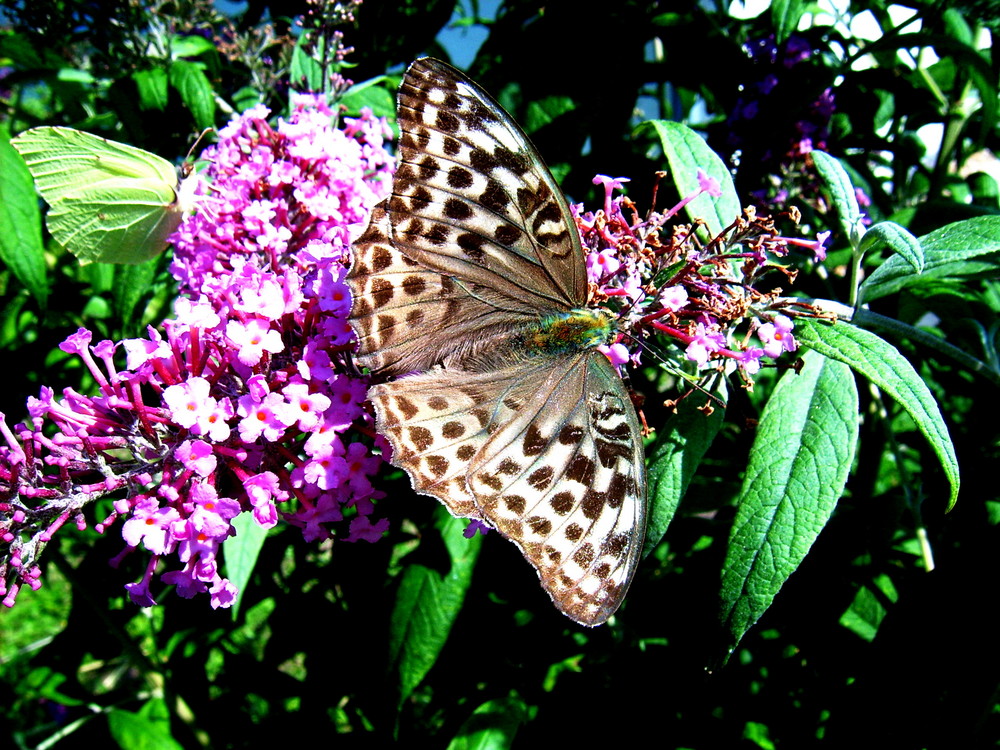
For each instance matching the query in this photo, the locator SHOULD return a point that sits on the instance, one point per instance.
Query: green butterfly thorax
(565, 332)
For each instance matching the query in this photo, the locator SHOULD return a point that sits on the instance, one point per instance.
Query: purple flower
(150, 524)
(475, 526)
(362, 529)
(258, 339)
(777, 336)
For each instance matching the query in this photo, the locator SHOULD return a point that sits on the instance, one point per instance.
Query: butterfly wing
(116, 222)
(65, 162)
(472, 197)
(108, 201)
(408, 317)
(548, 451)
(473, 201)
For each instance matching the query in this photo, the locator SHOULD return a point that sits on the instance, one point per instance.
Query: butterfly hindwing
(564, 479)
(437, 422)
(547, 451)
(112, 233)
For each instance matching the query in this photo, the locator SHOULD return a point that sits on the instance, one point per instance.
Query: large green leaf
(680, 445)
(132, 282)
(962, 249)
(147, 729)
(241, 552)
(883, 365)
(896, 239)
(845, 201)
(21, 247)
(492, 725)
(196, 91)
(427, 604)
(686, 152)
(798, 469)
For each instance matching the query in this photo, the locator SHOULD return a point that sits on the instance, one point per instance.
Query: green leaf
(962, 249)
(149, 729)
(686, 153)
(868, 609)
(883, 365)
(798, 468)
(245, 98)
(898, 239)
(758, 734)
(109, 202)
(21, 246)
(196, 91)
(957, 27)
(241, 552)
(785, 16)
(542, 112)
(45, 682)
(131, 284)
(305, 73)
(492, 726)
(680, 445)
(152, 86)
(190, 46)
(38, 618)
(427, 604)
(841, 193)
(370, 94)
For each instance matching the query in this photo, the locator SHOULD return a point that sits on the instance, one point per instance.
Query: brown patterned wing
(548, 451)
(473, 199)
(408, 317)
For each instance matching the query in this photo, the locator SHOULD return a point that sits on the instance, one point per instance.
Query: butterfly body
(561, 333)
(470, 288)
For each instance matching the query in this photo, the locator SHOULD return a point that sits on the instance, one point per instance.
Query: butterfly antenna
(188, 166)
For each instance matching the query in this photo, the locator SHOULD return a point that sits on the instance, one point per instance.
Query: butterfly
(469, 287)
(109, 202)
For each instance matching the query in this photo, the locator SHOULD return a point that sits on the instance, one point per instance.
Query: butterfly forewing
(473, 196)
(63, 161)
(473, 255)
(408, 317)
(108, 201)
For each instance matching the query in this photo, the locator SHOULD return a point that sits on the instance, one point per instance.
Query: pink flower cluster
(703, 296)
(248, 403)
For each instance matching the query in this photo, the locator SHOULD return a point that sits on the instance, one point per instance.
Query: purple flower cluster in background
(249, 402)
(781, 115)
